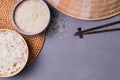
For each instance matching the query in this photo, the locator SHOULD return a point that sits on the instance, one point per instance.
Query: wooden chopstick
(80, 33)
(101, 26)
(101, 31)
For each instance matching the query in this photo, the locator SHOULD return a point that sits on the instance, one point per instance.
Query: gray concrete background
(66, 57)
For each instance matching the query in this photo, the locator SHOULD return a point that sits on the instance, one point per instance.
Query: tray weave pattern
(35, 43)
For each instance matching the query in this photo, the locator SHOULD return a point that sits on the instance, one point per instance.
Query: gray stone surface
(66, 57)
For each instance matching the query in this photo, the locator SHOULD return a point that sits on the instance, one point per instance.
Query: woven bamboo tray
(35, 43)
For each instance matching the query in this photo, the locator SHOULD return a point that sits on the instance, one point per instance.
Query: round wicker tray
(35, 43)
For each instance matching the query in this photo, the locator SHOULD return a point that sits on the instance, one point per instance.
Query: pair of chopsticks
(80, 33)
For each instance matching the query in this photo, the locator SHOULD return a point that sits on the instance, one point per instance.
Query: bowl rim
(23, 32)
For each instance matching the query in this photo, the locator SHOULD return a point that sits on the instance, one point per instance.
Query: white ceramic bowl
(23, 32)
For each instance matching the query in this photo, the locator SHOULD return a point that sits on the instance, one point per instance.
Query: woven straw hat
(88, 9)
